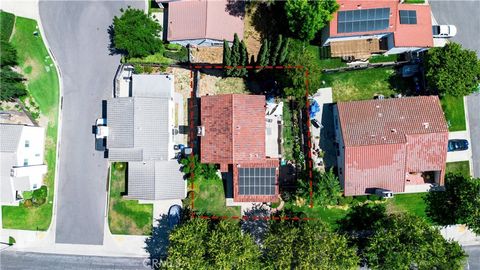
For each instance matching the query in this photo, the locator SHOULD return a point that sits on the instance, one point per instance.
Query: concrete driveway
(464, 15)
(77, 34)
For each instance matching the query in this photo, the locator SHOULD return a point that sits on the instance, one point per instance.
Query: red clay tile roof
(386, 139)
(234, 128)
(201, 19)
(383, 121)
(405, 35)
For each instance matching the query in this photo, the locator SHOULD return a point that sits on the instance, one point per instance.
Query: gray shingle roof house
(21, 161)
(141, 133)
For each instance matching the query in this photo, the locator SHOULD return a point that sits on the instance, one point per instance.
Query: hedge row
(7, 21)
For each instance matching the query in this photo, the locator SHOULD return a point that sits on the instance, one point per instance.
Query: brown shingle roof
(200, 19)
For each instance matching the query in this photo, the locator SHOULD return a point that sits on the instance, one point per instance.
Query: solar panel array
(363, 20)
(256, 181)
(408, 17)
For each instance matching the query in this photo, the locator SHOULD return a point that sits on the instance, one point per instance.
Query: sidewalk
(461, 234)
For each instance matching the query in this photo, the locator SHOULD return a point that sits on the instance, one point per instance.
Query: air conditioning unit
(200, 131)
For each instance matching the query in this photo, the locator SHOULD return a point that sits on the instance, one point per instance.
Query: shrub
(361, 199)
(27, 203)
(173, 47)
(181, 55)
(119, 166)
(39, 196)
(345, 200)
(374, 197)
(148, 69)
(11, 241)
(138, 69)
(27, 195)
(7, 21)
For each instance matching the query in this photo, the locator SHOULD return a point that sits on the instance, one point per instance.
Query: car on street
(174, 215)
(457, 145)
(444, 31)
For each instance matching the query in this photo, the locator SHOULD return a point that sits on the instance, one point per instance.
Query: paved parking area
(473, 104)
(464, 15)
(77, 32)
(465, 155)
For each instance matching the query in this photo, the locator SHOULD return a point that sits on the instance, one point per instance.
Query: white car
(102, 129)
(444, 31)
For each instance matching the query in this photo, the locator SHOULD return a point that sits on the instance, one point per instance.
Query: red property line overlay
(309, 143)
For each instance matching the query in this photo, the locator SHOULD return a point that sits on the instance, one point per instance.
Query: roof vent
(426, 125)
(380, 114)
(200, 131)
(359, 6)
(377, 106)
(384, 138)
(393, 130)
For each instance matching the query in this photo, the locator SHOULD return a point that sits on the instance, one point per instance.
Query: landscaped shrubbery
(7, 21)
(193, 168)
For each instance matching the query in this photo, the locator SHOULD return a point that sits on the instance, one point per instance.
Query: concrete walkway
(23, 8)
(461, 234)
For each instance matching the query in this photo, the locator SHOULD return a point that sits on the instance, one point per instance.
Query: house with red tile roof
(233, 135)
(202, 22)
(398, 144)
(364, 27)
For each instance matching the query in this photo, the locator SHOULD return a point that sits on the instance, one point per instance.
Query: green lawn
(364, 84)
(414, 1)
(126, 216)
(210, 198)
(328, 215)
(383, 58)
(462, 167)
(7, 20)
(43, 86)
(454, 112)
(411, 203)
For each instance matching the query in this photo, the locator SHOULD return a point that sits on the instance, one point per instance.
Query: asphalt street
(39, 261)
(77, 32)
(462, 14)
(473, 257)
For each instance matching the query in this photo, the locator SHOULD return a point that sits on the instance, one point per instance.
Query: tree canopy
(458, 204)
(306, 18)
(308, 245)
(11, 82)
(452, 70)
(136, 34)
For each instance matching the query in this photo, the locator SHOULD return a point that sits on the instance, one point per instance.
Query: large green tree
(8, 54)
(136, 34)
(307, 245)
(458, 204)
(452, 70)
(200, 244)
(11, 84)
(409, 242)
(306, 18)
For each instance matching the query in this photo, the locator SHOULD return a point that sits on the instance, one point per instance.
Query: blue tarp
(314, 108)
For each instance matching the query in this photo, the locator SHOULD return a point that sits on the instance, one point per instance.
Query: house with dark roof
(21, 166)
(233, 135)
(142, 132)
(202, 22)
(361, 28)
(398, 144)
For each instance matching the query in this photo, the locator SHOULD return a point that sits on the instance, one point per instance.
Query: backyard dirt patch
(31, 69)
(211, 55)
(214, 85)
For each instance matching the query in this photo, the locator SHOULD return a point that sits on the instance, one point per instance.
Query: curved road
(77, 32)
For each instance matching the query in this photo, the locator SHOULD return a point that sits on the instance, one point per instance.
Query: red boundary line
(309, 163)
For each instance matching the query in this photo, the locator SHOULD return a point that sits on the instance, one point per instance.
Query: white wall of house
(341, 147)
(30, 156)
(398, 50)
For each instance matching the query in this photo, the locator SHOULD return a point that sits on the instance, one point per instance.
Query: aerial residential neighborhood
(203, 134)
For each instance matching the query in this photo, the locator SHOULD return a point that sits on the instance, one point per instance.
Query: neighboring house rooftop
(410, 24)
(388, 121)
(201, 19)
(386, 140)
(141, 133)
(21, 157)
(234, 137)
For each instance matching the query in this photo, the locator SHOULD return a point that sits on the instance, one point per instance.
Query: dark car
(457, 145)
(174, 215)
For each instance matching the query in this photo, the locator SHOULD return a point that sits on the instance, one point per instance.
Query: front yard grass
(42, 84)
(454, 110)
(462, 167)
(412, 203)
(126, 216)
(209, 198)
(364, 84)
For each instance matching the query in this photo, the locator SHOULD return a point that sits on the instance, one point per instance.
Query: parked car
(174, 215)
(384, 193)
(444, 31)
(457, 145)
